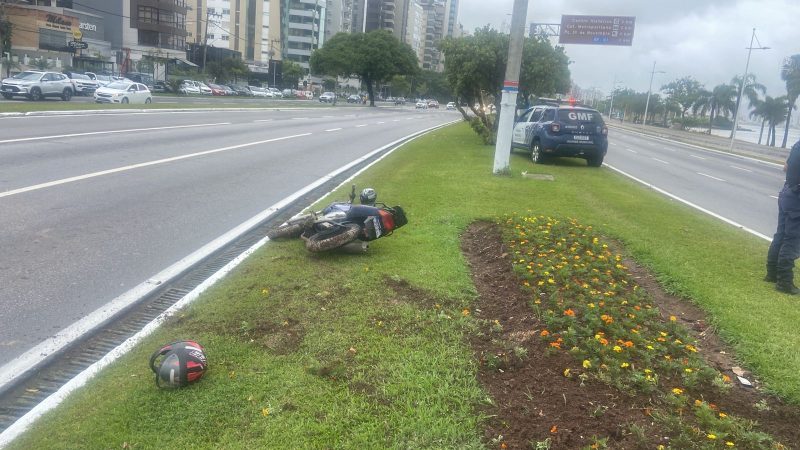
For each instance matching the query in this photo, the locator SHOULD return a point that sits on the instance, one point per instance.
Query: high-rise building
(302, 29)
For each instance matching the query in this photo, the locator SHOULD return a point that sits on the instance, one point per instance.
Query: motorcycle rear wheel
(291, 229)
(332, 238)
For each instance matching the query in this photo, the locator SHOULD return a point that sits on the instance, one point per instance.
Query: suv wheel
(35, 95)
(595, 161)
(536, 153)
(7, 96)
(66, 95)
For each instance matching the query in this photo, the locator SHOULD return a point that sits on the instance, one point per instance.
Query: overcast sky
(706, 39)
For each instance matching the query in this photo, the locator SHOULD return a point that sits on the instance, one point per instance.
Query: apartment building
(302, 29)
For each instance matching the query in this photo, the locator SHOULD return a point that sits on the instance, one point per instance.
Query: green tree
(229, 69)
(759, 112)
(401, 86)
(475, 69)
(721, 100)
(790, 74)
(431, 84)
(291, 73)
(752, 88)
(683, 91)
(774, 111)
(373, 57)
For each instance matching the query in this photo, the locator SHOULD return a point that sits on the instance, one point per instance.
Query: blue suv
(556, 129)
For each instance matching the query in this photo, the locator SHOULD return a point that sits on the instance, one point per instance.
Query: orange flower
(555, 345)
(544, 333)
(554, 429)
(569, 312)
(604, 341)
(628, 344)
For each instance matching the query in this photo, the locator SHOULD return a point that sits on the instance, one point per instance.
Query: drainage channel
(35, 386)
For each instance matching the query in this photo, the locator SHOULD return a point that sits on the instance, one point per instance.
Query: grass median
(372, 351)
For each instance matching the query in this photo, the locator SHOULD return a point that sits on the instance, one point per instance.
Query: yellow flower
(688, 370)
(617, 348)
(722, 415)
(624, 365)
(711, 436)
(590, 305)
(566, 372)
(465, 312)
(677, 391)
(265, 412)
(587, 364)
(729, 444)
(673, 318)
(265, 291)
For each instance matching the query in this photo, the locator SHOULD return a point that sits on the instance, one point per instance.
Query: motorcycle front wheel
(332, 238)
(291, 229)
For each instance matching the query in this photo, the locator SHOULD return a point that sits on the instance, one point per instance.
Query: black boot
(787, 287)
(772, 273)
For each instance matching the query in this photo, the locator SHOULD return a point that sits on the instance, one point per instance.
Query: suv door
(518, 135)
(49, 85)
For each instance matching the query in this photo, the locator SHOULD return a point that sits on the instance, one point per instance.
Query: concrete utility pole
(508, 102)
(205, 38)
(649, 90)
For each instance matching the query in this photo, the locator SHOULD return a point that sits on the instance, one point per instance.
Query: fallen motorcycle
(340, 224)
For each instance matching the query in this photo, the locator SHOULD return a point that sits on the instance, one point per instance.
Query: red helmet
(184, 363)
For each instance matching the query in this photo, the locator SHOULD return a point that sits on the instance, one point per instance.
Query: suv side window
(48, 77)
(549, 115)
(536, 115)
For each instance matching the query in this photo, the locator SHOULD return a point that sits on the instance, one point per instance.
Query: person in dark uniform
(785, 247)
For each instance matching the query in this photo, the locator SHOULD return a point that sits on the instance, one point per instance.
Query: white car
(422, 104)
(451, 106)
(258, 92)
(189, 87)
(123, 92)
(276, 92)
(327, 97)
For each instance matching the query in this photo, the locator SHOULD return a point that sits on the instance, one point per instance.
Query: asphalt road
(92, 205)
(740, 189)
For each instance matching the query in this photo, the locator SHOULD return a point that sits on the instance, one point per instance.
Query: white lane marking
(95, 133)
(409, 118)
(396, 120)
(300, 118)
(381, 123)
(264, 120)
(698, 157)
(362, 125)
(333, 129)
(140, 165)
(661, 160)
(10, 371)
(709, 176)
(741, 168)
(735, 155)
(631, 150)
(687, 202)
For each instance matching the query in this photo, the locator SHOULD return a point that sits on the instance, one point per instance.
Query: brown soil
(534, 401)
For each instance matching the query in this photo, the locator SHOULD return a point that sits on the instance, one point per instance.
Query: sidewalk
(718, 143)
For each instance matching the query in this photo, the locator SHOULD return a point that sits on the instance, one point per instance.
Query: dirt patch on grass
(535, 402)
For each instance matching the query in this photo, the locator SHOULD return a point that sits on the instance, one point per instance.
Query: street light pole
(741, 88)
(508, 102)
(649, 90)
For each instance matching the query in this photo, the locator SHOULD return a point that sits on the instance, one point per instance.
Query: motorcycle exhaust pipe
(355, 247)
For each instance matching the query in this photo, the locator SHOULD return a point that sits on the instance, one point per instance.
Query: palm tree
(751, 90)
(774, 112)
(720, 100)
(790, 74)
(758, 112)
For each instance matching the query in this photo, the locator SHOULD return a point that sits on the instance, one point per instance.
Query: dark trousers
(785, 247)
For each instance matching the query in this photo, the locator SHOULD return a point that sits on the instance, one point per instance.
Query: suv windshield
(579, 115)
(31, 76)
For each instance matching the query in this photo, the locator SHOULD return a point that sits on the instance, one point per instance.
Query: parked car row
(39, 84)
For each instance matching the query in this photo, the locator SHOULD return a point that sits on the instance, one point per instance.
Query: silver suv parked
(36, 85)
